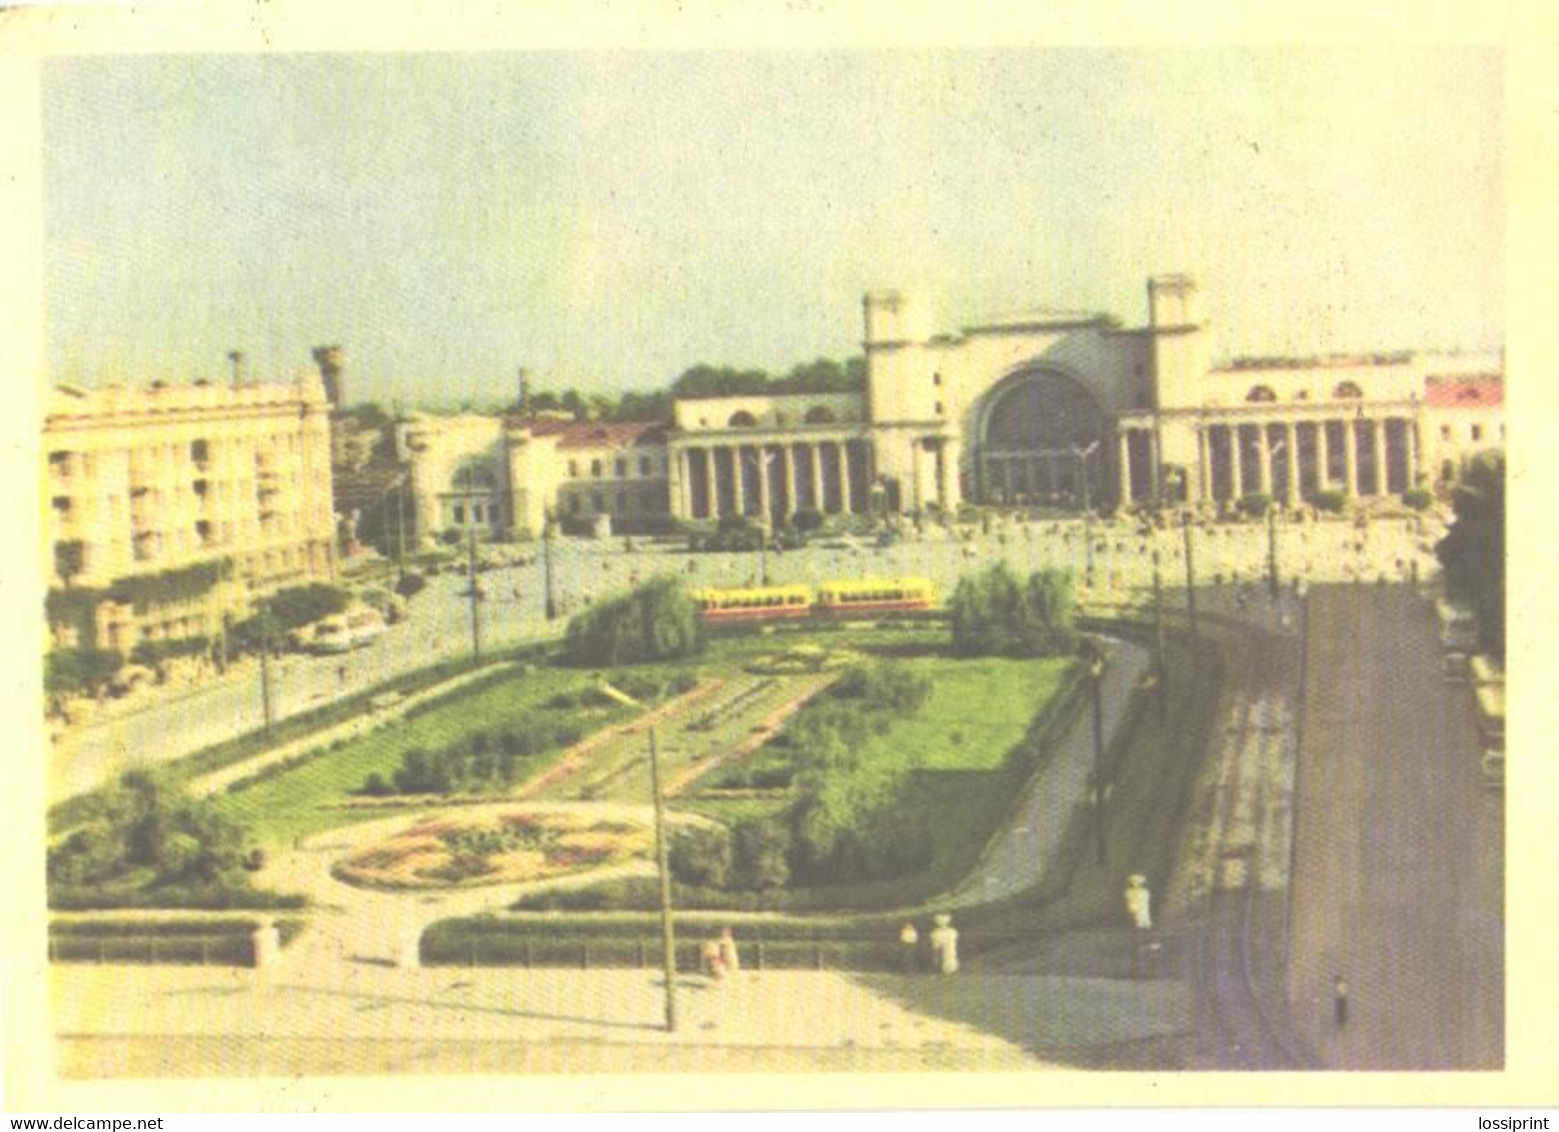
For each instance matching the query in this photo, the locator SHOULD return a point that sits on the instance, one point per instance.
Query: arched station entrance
(1043, 439)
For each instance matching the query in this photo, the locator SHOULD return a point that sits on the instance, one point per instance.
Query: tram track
(1238, 999)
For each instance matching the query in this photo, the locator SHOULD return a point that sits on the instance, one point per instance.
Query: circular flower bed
(503, 847)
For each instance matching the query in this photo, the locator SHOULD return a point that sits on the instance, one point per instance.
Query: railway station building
(1062, 409)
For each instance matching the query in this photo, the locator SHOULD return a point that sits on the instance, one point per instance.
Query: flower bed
(504, 847)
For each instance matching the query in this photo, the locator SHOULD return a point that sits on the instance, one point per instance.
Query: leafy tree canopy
(822, 375)
(655, 621)
(1472, 553)
(994, 613)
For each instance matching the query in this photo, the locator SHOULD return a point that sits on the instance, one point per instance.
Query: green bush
(808, 520)
(1256, 504)
(1330, 501)
(1417, 498)
(700, 856)
(144, 843)
(760, 848)
(411, 585)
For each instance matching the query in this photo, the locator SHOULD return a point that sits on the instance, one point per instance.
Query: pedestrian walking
(944, 944)
(730, 959)
(1340, 1001)
(909, 943)
(714, 966)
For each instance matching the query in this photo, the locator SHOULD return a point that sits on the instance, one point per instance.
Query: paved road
(167, 723)
(1399, 862)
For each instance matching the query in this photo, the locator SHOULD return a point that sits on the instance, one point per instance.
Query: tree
(1472, 552)
(655, 621)
(78, 671)
(759, 848)
(296, 606)
(700, 856)
(994, 614)
(144, 833)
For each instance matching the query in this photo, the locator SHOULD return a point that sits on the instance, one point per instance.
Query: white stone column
(1124, 444)
(765, 490)
(1415, 452)
(1350, 451)
(1378, 451)
(839, 478)
(818, 498)
(788, 454)
(1291, 491)
(738, 492)
(1155, 463)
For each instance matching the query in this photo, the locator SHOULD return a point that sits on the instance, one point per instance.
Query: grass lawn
(301, 800)
(979, 710)
(1155, 766)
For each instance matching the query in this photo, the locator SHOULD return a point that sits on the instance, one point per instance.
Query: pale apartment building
(170, 507)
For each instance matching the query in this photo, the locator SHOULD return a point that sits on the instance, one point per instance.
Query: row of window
(1474, 432)
(619, 468)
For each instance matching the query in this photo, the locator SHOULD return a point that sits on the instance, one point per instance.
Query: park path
(1019, 856)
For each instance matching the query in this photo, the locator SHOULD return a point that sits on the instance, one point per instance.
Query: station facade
(1060, 409)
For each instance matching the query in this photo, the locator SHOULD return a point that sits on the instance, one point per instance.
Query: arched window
(820, 414)
(1261, 393)
(1348, 391)
(742, 419)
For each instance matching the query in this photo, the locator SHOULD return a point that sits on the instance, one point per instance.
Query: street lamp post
(267, 704)
(476, 616)
(662, 864)
(1096, 680)
(1272, 532)
(1082, 455)
(546, 565)
(1160, 669)
(1190, 576)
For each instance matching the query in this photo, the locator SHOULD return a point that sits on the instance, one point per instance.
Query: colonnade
(1360, 455)
(771, 479)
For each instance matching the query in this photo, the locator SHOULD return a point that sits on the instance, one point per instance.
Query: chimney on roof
(331, 360)
(237, 358)
(524, 391)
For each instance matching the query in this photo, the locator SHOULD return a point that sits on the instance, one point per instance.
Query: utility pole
(546, 564)
(1096, 679)
(1082, 455)
(1160, 669)
(662, 863)
(476, 617)
(267, 709)
(400, 525)
(1272, 549)
(1272, 533)
(1190, 577)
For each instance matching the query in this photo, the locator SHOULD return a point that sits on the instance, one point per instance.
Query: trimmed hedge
(221, 942)
(854, 943)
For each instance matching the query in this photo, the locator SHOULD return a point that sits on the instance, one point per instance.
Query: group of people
(944, 946)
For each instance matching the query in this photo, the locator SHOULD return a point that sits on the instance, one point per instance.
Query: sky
(609, 219)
